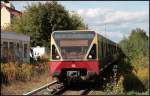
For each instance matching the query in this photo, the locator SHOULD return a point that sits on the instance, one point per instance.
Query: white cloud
(92, 13)
(119, 23)
(112, 16)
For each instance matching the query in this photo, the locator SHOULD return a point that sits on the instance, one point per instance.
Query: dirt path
(18, 87)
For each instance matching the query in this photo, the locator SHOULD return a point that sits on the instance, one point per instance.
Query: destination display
(66, 43)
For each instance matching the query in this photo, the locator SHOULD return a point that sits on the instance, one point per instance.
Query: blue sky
(120, 17)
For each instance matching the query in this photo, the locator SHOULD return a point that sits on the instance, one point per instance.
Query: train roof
(73, 30)
(106, 39)
(101, 36)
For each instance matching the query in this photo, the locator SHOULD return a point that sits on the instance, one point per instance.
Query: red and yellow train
(80, 54)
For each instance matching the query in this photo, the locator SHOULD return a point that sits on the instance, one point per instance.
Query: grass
(14, 71)
(11, 71)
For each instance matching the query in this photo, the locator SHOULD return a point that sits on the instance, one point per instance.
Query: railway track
(47, 89)
(55, 88)
(82, 92)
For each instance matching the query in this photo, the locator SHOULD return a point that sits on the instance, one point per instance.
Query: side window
(109, 50)
(93, 53)
(106, 47)
(55, 54)
(113, 49)
(102, 49)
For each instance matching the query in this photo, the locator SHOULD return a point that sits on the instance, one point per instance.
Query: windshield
(73, 45)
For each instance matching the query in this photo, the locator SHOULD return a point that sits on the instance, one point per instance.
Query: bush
(137, 93)
(140, 64)
(113, 88)
(133, 77)
(143, 75)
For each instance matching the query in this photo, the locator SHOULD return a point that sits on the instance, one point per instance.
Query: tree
(76, 22)
(136, 43)
(7, 29)
(40, 20)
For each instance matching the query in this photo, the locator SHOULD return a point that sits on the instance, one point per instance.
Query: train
(80, 55)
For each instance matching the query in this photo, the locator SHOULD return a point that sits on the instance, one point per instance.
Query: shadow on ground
(84, 85)
(130, 82)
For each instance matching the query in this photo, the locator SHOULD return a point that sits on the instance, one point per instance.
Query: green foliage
(136, 48)
(133, 69)
(39, 20)
(114, 89)
(7, 29)
(133, 93)
(136, 43)
(76, 23)
(141, 67)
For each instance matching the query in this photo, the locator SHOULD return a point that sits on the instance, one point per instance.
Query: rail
(42, 87)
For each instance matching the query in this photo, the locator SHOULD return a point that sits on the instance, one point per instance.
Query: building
(15, 47)
(8, 12)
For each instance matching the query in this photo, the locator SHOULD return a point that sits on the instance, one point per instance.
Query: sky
(112, 19)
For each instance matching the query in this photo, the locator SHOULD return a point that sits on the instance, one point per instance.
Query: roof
(11, 9)
(14, 36)
(72, 30)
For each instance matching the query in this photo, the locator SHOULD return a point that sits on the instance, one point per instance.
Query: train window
(25, 50)
(92, 54)
(74, 52)
(112, 49)
(106, 47)
(109, 49)
(73, 45)
(55, 54)
(74, 49)
(102, 48)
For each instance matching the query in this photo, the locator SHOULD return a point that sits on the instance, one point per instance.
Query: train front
(74, 55)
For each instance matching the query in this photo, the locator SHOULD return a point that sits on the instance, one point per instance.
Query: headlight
(57, 57)
(90, 56)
